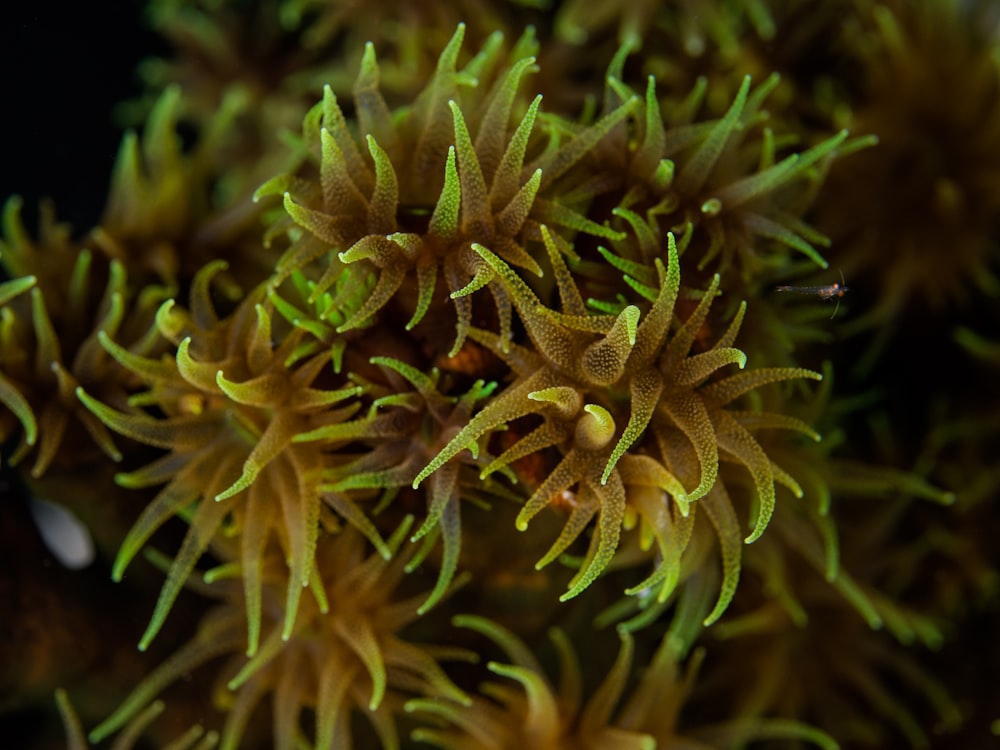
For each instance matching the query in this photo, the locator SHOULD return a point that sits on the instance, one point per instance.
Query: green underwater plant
(397, 321)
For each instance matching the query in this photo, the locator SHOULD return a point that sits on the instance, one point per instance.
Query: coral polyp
(426, 381)
(345, 655)
(615, 359)
(233, 410)
(376, 210)
(50, 351)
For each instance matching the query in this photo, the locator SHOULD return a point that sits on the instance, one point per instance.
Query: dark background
(65, 66)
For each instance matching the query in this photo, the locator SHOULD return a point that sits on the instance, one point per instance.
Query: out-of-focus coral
(344, 652)
(928, 86)
(54, 310)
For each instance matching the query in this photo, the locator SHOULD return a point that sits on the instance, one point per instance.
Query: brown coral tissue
(500, 374)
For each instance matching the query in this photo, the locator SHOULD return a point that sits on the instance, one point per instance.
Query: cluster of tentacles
(460, 349)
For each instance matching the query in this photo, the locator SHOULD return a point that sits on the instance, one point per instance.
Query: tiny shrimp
(837, 289)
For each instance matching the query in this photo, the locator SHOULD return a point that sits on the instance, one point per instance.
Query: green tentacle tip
(150, 634)
(14, 401)
(521, 522)
(10, 289)
(238, 486)
(426, 472)
(631, 315)
(167, 322)
(711, 207)
(603, 422)
(87, 400)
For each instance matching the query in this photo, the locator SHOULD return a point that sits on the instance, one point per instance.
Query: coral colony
(437, 389)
